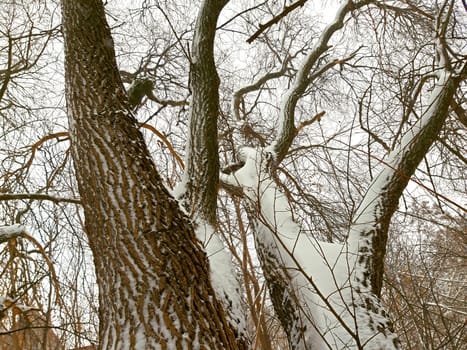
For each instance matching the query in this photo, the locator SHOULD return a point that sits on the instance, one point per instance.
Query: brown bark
(202, 163)
(152, 273)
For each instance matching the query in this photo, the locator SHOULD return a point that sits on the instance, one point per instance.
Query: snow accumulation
(322, 273)
(223, 277)
(404, 145)
(7, 302)
(11, 231)
(368, 210)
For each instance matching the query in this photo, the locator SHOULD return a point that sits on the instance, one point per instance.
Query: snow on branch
(11, 231)
(21, 231)
(303, 79)
(223, 276)
(276, 19)
(311, 282)
(10, 303)
(368, 233)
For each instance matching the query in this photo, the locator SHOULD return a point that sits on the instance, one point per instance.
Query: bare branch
(240, 93)
(36, 146)
(305, 123)
(166, 142)
(38, 197)
(274, 20)
(303, 79)
(7, 77)
(140, 88)
(366, 129)
(15, 231)
(240, 14)
(460, 112)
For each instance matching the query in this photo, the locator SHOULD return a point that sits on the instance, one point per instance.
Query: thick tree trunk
(201, 177)
(198, 190)
(153, 275)
(369, 230)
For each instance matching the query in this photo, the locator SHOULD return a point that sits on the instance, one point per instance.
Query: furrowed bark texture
(201, 178)
(281, 289)
(153, 276)
(372, 219)
(202, 163)
(284, 297)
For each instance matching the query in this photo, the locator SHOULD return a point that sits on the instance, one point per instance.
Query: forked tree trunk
(153, 276)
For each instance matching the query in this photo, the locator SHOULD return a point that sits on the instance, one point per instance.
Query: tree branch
(166, 142)
(38, 197)
(369, 229)
(303, 79)
(274, 20)
(201, 177)
(240, 93)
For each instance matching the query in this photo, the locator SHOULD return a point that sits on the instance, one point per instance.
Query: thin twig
(166, 142)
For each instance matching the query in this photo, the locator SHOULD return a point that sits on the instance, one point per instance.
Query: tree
(155, 270)
(165, 278)
(426, 280)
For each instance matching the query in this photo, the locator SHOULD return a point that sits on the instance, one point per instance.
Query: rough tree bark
(201, 177)
(197, 192)
(153, 275)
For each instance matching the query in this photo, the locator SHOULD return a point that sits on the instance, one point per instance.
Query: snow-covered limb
(286, 132)
(11, 231)
(310, 282)
(223, 277)
(7, 303)
(222, 272)
(38, 196)
(17, 230)
(368, 233)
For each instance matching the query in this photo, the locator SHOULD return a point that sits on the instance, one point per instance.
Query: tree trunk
(369, 230)
(153, 275)
(201, 179)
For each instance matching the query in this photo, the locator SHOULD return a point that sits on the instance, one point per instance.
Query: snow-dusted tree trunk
(201, 178)
(327, 295)
(153, 275)
(198, 190)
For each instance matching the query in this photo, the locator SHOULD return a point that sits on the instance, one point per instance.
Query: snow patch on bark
(223, 277)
